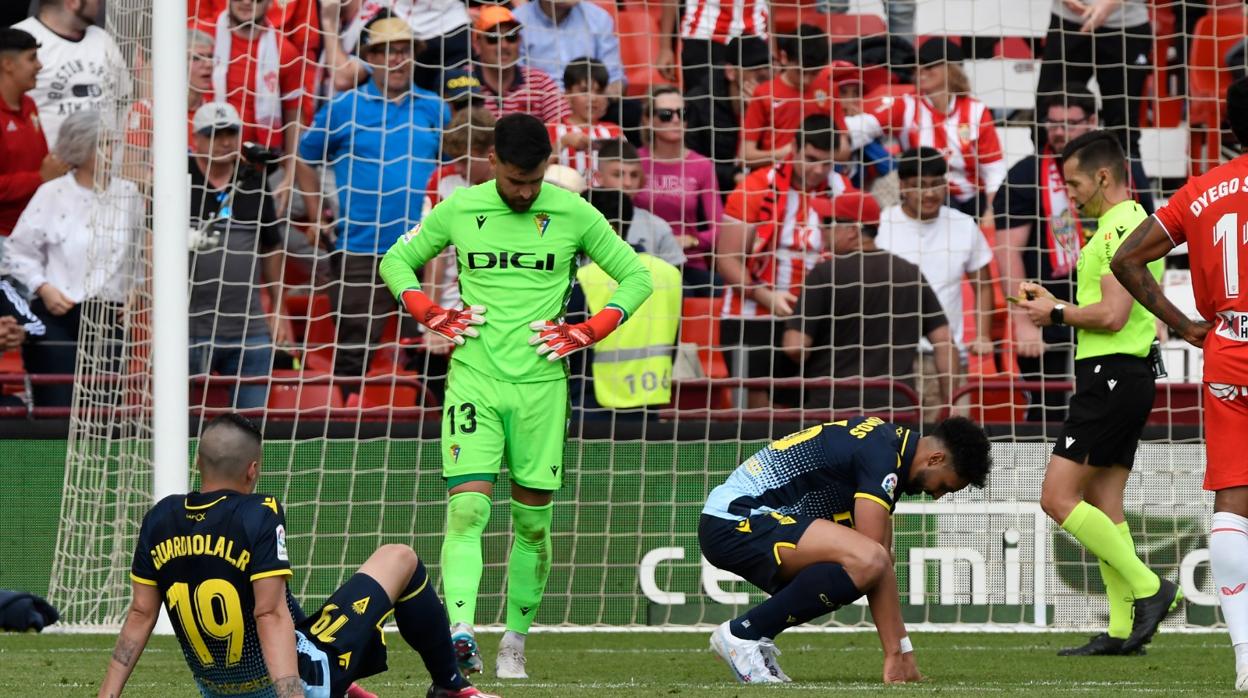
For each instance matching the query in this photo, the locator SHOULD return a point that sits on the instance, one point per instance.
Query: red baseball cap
(844, 72)
(849, 207)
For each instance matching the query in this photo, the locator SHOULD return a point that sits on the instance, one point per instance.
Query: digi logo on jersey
(511, 260)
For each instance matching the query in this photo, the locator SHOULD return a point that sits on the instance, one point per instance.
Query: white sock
(1228, 558)
(512, 637)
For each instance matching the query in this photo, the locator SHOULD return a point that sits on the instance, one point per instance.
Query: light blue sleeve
(608, 40)
(312, 146)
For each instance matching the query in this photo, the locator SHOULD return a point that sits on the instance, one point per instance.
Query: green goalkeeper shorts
(486, 421)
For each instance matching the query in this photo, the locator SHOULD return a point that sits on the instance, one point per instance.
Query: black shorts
(347, 628)
(751, 547)
(1113, 397)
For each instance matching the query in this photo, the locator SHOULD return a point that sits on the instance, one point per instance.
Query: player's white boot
(744, 657)
(466, 649)
(768, 647)
(510, 663)
(1241, 679)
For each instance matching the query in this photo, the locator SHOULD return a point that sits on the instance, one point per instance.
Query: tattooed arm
(1130, 265)
(277, 636)
(140, 619)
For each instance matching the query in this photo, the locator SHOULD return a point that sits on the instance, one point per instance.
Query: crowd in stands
(837, 219)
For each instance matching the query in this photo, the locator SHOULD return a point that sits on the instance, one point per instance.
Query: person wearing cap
(707, 31)
(382, 140)
(234, 239)
(25, 163)
(461, 89)
(507, 86)
(713, 109)
(556, 32)
(778, 106)
(946, 244)
(72, 246)
(834, 334)
(942, 115)
(873, 160)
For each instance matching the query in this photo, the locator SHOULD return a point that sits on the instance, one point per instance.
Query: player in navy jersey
(217, 559)
(807, 520)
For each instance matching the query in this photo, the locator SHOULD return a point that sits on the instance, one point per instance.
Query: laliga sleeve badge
(889, 485)
(281, 544)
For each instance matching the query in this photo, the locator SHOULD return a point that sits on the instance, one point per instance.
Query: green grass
(678, 664)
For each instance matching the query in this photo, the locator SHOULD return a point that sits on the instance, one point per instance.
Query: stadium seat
(408, 391)
(296, 397)
(699, 325)
(639, 50)
(993, 402)
(1208, 80)
(1176, 403)
(313, 329)
(839, 27)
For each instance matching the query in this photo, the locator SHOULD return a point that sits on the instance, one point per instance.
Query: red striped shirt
(583, 161)
(533, 92)
(966, 135)
(722, 20)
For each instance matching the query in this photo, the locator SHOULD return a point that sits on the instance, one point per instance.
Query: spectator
(558, 31)
(296, 20)
(713, 109)
(944, 116)
(680, 186)
(24, 160)
(72, 246)
(506, 86)
(776, 110)
(1111, 40)
(378, 138)
(947, 246)
(199, 47)
(234, 253)
(863, 313)
(619, 167)
(635, 368)
(873, 160)
(81, 65)
(461, 89)
(768, 240)
(441, 26)
(585, 81)
(18, 325)
(707, 30)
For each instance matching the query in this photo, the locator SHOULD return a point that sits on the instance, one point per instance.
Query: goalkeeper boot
(1148, 614)
(466, 649)
(744, 657)
(510, 662)
(768, 647)
(1098, 646)
(436, 691)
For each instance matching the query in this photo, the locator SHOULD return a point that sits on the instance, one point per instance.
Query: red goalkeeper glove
(448, 322)
(558, 340)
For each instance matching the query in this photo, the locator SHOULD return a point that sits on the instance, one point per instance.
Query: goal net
(350, 397)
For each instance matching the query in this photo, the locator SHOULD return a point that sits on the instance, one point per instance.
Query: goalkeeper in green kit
(516, 245)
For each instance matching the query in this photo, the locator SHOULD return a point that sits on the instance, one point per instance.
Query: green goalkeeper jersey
(520, 266)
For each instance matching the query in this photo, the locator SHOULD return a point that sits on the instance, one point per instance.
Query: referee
(1114, 391)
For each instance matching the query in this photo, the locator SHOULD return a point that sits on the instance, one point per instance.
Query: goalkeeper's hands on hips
(558, 340)
(451, 323)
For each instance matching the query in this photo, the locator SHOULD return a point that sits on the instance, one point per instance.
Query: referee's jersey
(1135, 337)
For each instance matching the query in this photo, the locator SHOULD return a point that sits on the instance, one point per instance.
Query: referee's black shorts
(1113, 397)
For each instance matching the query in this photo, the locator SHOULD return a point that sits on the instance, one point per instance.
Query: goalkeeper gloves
(448, 322)
(559, 340)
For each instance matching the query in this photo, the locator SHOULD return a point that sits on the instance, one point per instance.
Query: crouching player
(807, 520)
(217, 559)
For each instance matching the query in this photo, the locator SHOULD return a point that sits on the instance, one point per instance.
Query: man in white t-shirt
(947, 246)
(82, 66)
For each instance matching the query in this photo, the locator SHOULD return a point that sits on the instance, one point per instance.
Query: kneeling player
(807, 520)
(217, 558)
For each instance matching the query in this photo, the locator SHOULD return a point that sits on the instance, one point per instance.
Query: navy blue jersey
(203, 550)
(819, 472)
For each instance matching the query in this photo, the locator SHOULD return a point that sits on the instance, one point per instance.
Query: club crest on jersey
(964, 134)
(889, 484)
(455, 452)
(411, 234)
(542, 221)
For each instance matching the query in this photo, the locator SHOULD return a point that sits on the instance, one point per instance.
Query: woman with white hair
(71, 246)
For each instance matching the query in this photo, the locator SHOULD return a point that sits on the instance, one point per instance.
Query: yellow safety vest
(633, 366)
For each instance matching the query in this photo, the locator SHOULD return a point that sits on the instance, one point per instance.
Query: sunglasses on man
(510, 38)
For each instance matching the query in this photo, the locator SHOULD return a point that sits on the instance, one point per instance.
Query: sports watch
(1058, 314)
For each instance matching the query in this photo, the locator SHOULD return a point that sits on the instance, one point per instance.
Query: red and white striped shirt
(788, 238)
(722, 20)
(584, 161)
(966, 136)
(533, 92)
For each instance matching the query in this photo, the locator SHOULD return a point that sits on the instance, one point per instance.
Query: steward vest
(632, 367)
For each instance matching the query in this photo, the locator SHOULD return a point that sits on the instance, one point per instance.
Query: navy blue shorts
(751, 547)
(347, 628)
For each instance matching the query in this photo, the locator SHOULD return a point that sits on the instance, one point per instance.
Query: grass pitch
(678, 664)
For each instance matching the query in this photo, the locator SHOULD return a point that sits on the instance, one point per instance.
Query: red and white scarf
(266, 90)
(1065, 232)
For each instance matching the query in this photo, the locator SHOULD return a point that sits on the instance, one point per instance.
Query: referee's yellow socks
(1102, 538)
(1117, 591)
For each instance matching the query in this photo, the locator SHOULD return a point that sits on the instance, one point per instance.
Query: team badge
(821, 97)
(455, 452)
(964, 134)
(281, 544)
(889, 484)
(542, 221)
(411, 234)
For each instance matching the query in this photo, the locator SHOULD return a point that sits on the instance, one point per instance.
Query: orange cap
(491, 16)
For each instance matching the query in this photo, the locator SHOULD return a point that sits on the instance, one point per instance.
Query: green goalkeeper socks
(1103, 539)
(1118, 592)
(528, 567)
(467, 513)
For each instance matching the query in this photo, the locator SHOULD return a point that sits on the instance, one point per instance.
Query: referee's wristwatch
(1057, 315)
